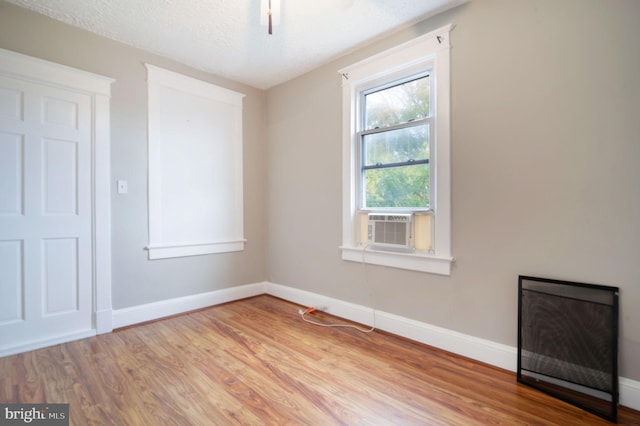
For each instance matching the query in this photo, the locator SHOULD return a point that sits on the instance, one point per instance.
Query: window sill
(411, 261)
(166, 251)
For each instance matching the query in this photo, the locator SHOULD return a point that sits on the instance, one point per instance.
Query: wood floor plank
(256, 362)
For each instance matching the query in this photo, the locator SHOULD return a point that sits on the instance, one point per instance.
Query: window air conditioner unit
(390, 231)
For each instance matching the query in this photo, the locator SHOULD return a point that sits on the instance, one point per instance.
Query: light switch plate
(122, 186)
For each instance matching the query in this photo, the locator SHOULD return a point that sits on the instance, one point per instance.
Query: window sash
(405, 198)
(389, 84)
(392, 165)
(428, 121)
(412, 123)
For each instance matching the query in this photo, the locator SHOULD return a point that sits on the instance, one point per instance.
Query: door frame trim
(98, 87)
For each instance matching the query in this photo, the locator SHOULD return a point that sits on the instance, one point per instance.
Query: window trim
(432, 48)
(206, 142)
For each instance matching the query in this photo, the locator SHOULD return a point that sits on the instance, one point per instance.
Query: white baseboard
(44, 343)
(486, 351)
(492, 353)
(482, 350)
(629, 393)
(104, 321)
(152, 311)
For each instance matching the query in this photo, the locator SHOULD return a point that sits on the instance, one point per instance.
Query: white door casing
(55, 283)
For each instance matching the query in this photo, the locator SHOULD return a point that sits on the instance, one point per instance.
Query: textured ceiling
(224, 37)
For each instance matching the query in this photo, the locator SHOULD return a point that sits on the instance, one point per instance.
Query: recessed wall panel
(195, 167)
(11, 104)
(11, 281)
(60, 275)
(11, 174)
(59, 112)
(60, 174)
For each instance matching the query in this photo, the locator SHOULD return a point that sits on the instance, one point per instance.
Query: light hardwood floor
(255, 362)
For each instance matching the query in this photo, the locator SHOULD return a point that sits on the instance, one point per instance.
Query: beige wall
(545, 176)
(545, 145)
(137, 280)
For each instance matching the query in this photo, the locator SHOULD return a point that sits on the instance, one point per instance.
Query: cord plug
(306, 311)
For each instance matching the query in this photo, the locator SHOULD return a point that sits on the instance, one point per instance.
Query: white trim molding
(486, 351)
(195, 166)
(163, 251)
(98, 87)
(414, 261)
(629, 393)
(39, 344)
(45, 72)
(429, 51)
(164, 308)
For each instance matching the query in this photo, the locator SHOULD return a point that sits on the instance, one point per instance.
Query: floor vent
(568, 342)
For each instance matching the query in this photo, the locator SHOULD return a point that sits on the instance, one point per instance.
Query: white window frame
(432, 51)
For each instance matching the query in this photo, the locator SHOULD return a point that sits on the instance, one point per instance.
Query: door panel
(60, 176)
(11, 302)
(59, 280)
(11, 162)
(10, 103)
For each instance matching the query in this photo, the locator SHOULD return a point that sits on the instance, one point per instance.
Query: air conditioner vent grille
(390, 230)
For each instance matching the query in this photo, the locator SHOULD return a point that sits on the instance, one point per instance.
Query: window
(394, 145)
(396, 156)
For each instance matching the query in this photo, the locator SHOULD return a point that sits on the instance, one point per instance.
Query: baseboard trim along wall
(164, 308)
(486, 351)
(39, 344)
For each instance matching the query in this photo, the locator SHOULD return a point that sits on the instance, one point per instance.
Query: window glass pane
(405, 186)
(397, 104)
(396, 146)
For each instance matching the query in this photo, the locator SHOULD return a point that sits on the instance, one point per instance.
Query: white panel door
(45, 213)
